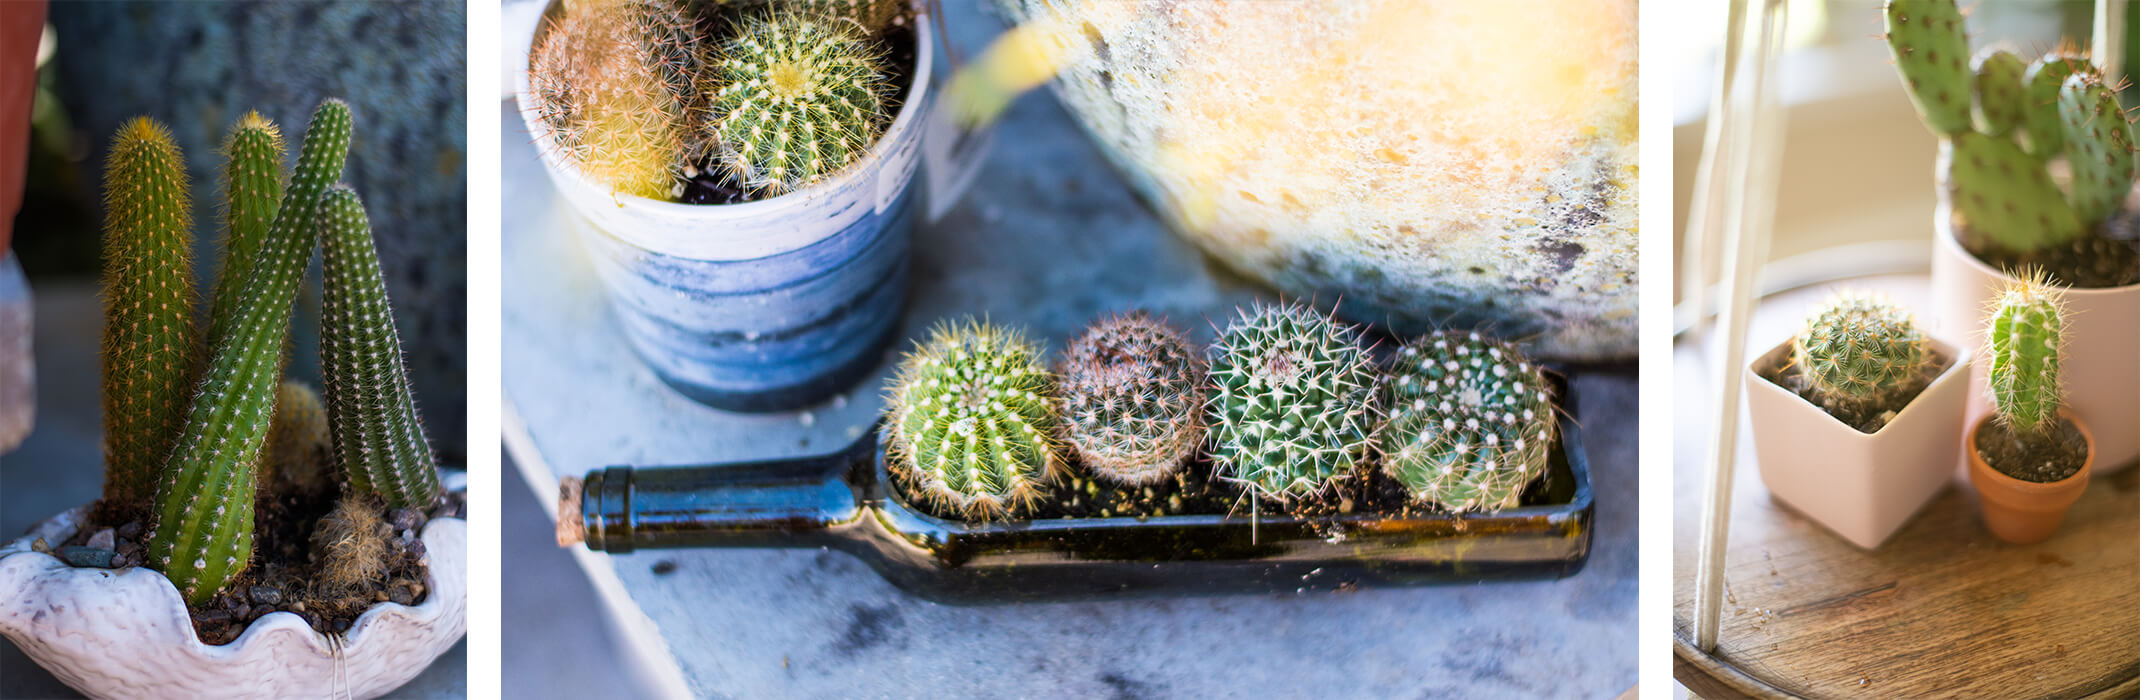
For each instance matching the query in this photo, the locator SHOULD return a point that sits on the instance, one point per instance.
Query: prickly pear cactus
(1930, 47)
(1292, 401)
(800, 98)
(1861, 355)
(2001, 92)
(148, 310)
(1132, 403)
(2025, 333)
(2046, 76)
(378, 440)
(252, 189)
(2003, 198)
(203, 531)
(618, 85)
(2098, 144)
(1470, 421)
(969, 426)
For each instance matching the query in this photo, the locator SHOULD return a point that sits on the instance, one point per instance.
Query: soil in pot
(2040, 459)
(2107, 258)
(1869, 420)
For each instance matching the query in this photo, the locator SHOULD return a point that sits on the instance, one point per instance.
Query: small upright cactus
(1292, 401)
(1861, 355)
(968, 422)
(378, 441)
(1470, 421)
(1132, 398)
(2025, 331)
(618, 85)
(148, 311)
(801, 97)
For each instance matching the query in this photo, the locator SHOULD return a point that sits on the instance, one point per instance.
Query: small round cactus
(1861, 354)
(617, 83)
(1470, 421)
(2022, 341)
(1132, 401)
(801, 97)
(1291, 401)
(299, 453)
(969, 427)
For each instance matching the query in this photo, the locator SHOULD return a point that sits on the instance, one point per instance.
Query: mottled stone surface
(401, 66)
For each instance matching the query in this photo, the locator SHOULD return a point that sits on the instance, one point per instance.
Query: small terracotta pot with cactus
(2029, 460)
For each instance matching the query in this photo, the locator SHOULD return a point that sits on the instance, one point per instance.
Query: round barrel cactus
(1861, 354)
(1291, 401)
(969, 427)
(1132, 398)
(1470, 421)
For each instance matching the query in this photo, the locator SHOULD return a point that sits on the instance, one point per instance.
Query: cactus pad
(2022, 341)
(1470, 421)
(969, 424)
(1132, 398)
(2098, 144)
(2001, 92)
(2045, 78)
(148, 310)
(1291, 402)
(800, 98)
(2003, 198)
(378, 441)
(1927, 40)
(1861, 355)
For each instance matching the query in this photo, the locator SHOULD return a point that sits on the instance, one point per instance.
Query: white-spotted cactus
(1470, 421)
(378, 440)
(969, 424)
(801, 97)
(1292, 401)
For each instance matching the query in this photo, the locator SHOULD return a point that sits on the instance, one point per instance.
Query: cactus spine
(2026, 329)
(1132, 401)
(203, 532)
(1861, 355)
(1470, 421)
(968, 423)
(617, 85)
(252, 188)
(1291, 401)
(378, 440)
(801, 97)
(148, 310)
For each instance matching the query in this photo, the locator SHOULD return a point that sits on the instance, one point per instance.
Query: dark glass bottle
(843, 501)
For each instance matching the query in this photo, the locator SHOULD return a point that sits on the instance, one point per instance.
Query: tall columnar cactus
(801, 97)
(1132, 398)
(252, 189)
(1860, 355)
(1470, 421)
(148, 310)
(618, 84)
(203, 532)
(2025, 332)
(1292, 401)
(968, 424)
(378, 441)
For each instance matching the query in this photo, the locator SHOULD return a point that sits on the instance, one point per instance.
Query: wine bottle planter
(125, 633)
(2102, 342)
(767, 305)
(1861, 486)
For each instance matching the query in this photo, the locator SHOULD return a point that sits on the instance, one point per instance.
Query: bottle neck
(774, 503)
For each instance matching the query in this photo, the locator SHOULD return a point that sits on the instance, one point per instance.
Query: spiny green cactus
(2045, 78)
(2098, 144)
(2001, 92)
(378, 440)
(2003, 197)
(1132, 398)
(618, 85)
(148, 311)
(1927, 40)
(800, 98)
(203, 532)
(252, 189)
(2026, 329)
(1861, 355)
(1470, 421)
(1292, 401)
(968, 424)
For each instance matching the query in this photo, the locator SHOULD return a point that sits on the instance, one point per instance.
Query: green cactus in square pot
(2030, 458)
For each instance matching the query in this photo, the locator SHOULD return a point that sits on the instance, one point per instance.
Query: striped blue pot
(770, 305)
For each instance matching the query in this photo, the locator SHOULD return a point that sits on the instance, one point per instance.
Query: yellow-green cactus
(148, 311)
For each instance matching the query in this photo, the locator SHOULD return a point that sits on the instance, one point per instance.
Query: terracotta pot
(2026, 512)
(1863, 487)
(21, 26)
(2101, 358)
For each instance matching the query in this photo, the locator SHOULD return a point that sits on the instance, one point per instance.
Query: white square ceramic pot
(1863, 487)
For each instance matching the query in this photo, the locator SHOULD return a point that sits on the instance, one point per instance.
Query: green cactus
(299, 446)
(2098, 144)
(1292, 401)
(617, 85)
(968, 425)
(2045, 78)
(2024, 334)
(1470, 421)
(203, 531)
(148, 311)
(800, 98)
(1132, 401)
(1861, 355)
(2001, 92)
(252, 188)
(2003, 197)
(378, 441)
(1927, 40)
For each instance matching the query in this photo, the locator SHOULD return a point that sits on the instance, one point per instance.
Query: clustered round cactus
(1132, 398)
(637, 95)
(1291, 404)
(968, 424)
(1861, 355)
(1470, 421)
(2026, 329)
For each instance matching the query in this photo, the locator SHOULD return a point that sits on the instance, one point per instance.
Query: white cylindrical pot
(2101, 363)
(768, 305)
(124, 633)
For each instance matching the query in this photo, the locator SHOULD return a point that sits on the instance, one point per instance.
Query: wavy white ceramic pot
(1863, 487)
(2101, 362)
(124, 633)
(768, 305)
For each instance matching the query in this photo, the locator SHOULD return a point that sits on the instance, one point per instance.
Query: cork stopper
(571, 528)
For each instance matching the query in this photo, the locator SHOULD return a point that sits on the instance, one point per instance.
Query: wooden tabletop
(1942, 609)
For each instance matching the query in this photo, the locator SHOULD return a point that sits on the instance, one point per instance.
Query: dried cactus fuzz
(801, 98)
(1292, 401)
(968, 424)
(349, 546)
(379, 443)
(618, 85)
(2022, 341)
(148, 344)
(1132, 403)
(1470, 421)
(1861, 355)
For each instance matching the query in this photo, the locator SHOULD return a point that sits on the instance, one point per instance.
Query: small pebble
(242, 611)
(341, 626)
(104, 539)
(131, 530)
(415, 549)
(379, 597)
(405, 519)
(402, 595)
(39, 546)
(212, 616)
(87, 557)
(267, 595)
